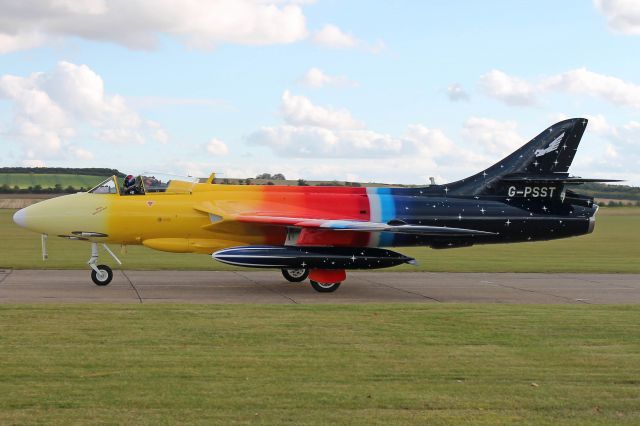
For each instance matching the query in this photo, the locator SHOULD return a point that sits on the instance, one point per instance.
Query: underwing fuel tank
(311, 257)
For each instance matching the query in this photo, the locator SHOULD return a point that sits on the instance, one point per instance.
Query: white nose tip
(20, 218)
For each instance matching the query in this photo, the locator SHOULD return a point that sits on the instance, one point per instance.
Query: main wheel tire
(324, 287)
(104, 277)
(295, 275)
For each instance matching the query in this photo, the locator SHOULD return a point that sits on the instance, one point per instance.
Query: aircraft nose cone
(20, 217)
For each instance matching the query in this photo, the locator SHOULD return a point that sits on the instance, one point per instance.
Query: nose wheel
(100, 274)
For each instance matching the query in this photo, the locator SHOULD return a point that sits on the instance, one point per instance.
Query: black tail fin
(545, 158)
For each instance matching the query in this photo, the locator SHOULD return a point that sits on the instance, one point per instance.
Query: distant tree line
(612, 203)
(90, 171)
(38, 189)
(267, 176)
(601, 190)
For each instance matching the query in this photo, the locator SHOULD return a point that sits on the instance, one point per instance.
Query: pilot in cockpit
(130, 187)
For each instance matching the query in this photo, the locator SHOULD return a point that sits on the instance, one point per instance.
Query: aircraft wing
(220, 214)
(359, 226)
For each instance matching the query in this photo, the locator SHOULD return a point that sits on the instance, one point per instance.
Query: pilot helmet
(128, 181)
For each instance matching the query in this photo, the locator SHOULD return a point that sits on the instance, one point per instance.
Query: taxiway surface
(37, 286)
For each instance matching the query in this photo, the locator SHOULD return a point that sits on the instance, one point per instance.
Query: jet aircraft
(320, 232)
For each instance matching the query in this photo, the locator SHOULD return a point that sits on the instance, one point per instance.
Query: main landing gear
(322, 280)
(295, 275)
(100, 274)
(324, 287)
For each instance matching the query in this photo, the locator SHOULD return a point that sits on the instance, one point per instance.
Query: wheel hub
(296, 273)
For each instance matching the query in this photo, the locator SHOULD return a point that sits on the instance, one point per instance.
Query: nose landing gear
(101, 274)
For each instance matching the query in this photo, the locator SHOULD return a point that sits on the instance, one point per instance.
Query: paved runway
(34, 286)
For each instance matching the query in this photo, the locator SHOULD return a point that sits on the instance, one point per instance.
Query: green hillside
(51, 179)
(26, 180)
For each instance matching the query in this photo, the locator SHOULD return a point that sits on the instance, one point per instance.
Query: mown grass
(358, 364)
(25, 180)
(613, 247)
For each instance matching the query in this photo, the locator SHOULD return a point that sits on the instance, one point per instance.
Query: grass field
(25, 180)
(613, 247)
(363, 364)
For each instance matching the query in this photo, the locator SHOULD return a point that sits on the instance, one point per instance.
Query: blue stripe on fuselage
(387, 212)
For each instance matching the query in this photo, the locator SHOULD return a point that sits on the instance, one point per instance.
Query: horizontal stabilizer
(555, 178)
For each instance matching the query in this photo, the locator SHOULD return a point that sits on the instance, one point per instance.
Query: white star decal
(482, 210)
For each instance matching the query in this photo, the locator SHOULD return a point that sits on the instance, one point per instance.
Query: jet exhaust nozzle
(311, 257)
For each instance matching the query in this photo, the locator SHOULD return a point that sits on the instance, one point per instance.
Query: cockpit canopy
(146, 184)
(108, 186)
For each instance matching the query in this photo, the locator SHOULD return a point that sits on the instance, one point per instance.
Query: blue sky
(369, 91)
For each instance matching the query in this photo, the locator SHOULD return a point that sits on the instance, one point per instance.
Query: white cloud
(310, 141)
(622, 15)
(611, 152)
(629, 135)
(456, 92)
(511, 90)
(20, 41)
(298, 110)
(583, 81)
(598, 124)
(312, 131)
(217, 147)
(50, 110)
(493, 136)
(315, 77)
(333, 37)
(430, 142)
(516, 91)
(81, 153)
(138, 23)
(34, 163)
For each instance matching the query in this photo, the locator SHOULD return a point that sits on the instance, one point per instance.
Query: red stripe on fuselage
(320, 203)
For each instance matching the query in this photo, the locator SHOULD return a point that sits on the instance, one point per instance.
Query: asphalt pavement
(267, 287)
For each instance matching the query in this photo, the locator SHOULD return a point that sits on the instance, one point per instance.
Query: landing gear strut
(296, 275)
(100, 274)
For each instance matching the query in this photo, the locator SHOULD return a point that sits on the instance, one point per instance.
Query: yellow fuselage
(162, 221)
